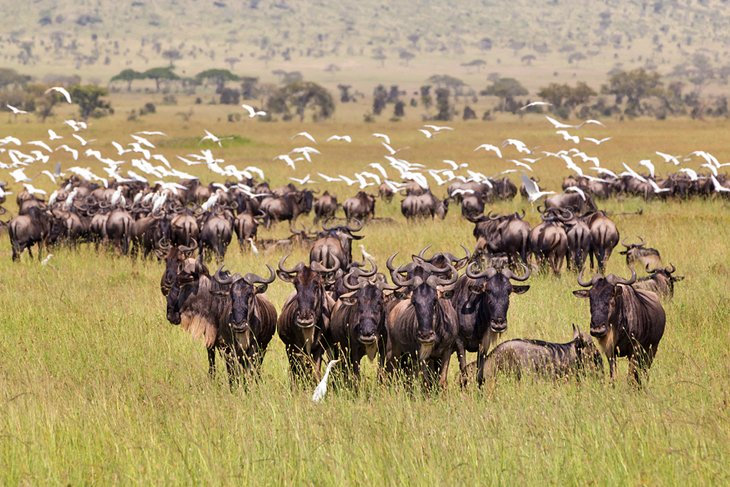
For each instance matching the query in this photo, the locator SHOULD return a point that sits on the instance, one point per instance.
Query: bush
(169, 99)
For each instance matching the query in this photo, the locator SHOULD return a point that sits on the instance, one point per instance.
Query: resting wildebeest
(481, 301)
(627, 322)
(660, 281)
(305, 316)
(521, 357)
(648, 257)
(252, 321)
(357, 326)
(360, 207)
(422, 329)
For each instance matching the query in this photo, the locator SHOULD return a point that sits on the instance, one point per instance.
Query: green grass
(97, 387)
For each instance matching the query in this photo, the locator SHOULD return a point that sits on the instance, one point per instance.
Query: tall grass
(97, 387)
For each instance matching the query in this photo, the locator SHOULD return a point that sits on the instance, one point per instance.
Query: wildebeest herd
(431, 307)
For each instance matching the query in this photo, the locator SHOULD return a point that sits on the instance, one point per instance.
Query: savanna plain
(97, 387)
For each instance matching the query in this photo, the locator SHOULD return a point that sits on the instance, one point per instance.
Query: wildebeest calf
(520, 357)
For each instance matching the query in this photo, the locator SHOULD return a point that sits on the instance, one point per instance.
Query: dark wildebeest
(118, 229)
(579, 239)
(503, 234)
(648, 257)
(504, 189)
(423, 206)
(286, 207)
(385, 192)
(185, 226)
(481, 301)
(553, 360)
(325, 207)
(360, 207)
(422, 329)
(252, 321)
(574, 202)
(216, 232)
(549, 242)
(660, 281)
(604, 238)
(334, 243)
(627, 322)
(150, 230)
(30, 229)
(357, 327)
(173, 255)
(246, 228)
(304, 318)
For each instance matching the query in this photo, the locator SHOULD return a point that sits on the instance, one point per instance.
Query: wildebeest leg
(590, 254)
(461, 355)
(30, 251)
(211, 363)
(444, 373)
(481, 359)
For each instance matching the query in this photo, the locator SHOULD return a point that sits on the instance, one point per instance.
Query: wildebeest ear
(581, 293)
(520, 289)
(446, 294)
(284, 276)
(261, 288)
(576, 332)
(677, 278)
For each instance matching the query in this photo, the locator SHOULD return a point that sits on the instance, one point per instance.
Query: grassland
(97, 387)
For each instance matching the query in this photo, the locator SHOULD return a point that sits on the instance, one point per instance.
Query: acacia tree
(90, 101)
(506, 89)
(160, 74)
(633, 87)
(218, 76)
(566, 98)
(127, 75)
(300, 98)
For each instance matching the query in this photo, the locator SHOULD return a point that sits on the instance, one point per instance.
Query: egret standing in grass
(321, 389)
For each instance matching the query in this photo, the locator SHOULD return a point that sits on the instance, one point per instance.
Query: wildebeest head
(491, 288)
(173, 306)
(366, 294)
(587, 352)
(242, 291)
(309, 283)
(604, 294)
(426, 285)
(173, 260)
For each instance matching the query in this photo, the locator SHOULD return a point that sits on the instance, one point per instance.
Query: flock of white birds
(138, 160)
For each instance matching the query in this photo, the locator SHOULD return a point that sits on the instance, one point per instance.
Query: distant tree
(90, 101)
(469, 113)
(10, 77)
(218, 76)
(566, 98)
(528, 59)
(379, 55)
(231, 62)
(632, 87)
(292, 77)
(127, 75)
(476, 63)
(160, 74)
(249, 87)
(230, 96)
(172, 55)
(344, 93)
(406, 56)
(400, 109)
(442, 104)
(380, 98)
(301, 98)
(506, 89)
(485, 44)
(426, 99)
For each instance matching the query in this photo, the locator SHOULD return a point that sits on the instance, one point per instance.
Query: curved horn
(192, 248)
(319, 267)
(423, 252)
(673, 269)
(511, 275)
(284, 269)
(389, 262)
(489, 272)
(164, 244)
(220, 278)
(623, 242)
(618, 280)
(252, 278)
(587, 284)
(355, 229)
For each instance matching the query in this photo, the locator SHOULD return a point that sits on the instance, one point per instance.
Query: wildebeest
(661, 281)
(422, 329)
(246, 228)
(360, 207)
(304, 317)
(334, 243)
(216, 232)
(357, 327)
(503, 234)
(252, 321)
(549, 243)
(648, 257)
(604, 238)
(184, 227)
(521, 357)
(481, 301)
(29, 229)
(626, 322)
(325, 207)
(286, 207)
(118, 229)
(423, 206)
(574, 202)
(173, 255)
(579, 239)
